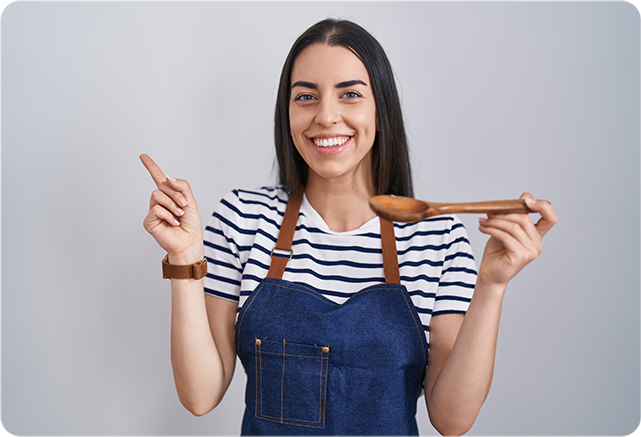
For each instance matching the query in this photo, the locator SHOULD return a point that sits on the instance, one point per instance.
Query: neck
(343, 204)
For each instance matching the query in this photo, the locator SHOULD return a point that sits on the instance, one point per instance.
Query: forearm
(458, 391)
(197, 365)
(201, 372)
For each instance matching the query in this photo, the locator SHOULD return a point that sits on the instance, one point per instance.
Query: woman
(331, 341)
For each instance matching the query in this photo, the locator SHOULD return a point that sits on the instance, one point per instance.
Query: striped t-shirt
(435, 257)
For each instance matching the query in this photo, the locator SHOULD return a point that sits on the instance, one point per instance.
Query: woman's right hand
(173, 218)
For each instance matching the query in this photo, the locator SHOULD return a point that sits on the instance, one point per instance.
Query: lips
(330, 145)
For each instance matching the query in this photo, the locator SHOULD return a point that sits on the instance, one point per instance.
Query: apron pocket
(291, 381)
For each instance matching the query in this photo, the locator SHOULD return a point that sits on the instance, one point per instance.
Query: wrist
(489, 289)
(191, 255)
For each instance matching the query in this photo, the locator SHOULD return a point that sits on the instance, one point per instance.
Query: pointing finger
(156, 173)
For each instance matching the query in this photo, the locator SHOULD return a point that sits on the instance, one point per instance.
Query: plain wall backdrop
(499, 98)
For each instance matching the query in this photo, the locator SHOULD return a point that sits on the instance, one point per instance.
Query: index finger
(548, 216)
(156, 173)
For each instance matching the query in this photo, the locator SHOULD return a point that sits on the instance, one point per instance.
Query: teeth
(330, 142)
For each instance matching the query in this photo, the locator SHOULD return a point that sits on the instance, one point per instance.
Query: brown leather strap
(191, 271)
(390, 257)
(283, 250)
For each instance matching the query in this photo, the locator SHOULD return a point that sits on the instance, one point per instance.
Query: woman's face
(332, 113)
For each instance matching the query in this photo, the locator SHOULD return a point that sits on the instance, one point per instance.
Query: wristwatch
(190, 271)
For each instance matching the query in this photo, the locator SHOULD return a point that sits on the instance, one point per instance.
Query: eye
(304, 98)
(351, 95)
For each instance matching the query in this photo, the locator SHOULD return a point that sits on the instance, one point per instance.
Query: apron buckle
(283, 253)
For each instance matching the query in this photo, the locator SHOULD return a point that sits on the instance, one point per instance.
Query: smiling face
(332, 114)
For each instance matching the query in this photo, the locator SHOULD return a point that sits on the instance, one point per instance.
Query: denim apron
(315, 367)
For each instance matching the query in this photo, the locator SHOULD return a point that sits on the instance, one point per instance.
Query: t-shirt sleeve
(458, 277)
(222, 239)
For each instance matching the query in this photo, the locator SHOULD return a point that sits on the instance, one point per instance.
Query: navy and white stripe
(435, 256)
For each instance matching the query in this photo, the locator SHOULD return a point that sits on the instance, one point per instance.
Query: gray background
(499, 98)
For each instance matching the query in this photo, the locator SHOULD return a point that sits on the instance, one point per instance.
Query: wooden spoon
(408, 209)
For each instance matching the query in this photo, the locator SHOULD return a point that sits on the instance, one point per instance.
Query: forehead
(322, 63)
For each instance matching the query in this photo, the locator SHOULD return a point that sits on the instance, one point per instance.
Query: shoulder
(246, 210)
(246, 202)
(442, 225)
(440, 237)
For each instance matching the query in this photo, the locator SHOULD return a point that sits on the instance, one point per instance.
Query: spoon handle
(488, 207)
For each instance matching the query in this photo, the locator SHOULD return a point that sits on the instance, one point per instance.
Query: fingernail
(183, 202)
(179, 211)
(482, 219)
(171, 178)
(176, 222)
(530, 202)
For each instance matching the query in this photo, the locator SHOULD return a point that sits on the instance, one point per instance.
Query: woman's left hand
(515, 241)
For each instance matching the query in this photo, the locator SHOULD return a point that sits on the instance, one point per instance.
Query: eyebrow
(350, 83)
(305, 84)
(345, 84)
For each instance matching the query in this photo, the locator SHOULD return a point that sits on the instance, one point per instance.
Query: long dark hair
(390, 156)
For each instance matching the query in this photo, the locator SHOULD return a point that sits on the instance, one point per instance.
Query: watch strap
(191, 271)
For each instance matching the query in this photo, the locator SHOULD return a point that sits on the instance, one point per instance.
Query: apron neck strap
(285, 238)
(390, 257)
(282, 252)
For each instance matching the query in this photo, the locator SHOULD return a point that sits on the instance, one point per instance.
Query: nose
(328, 113)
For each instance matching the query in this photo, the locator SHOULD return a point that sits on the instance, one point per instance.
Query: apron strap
(282, 252)
(285, 238)
(390, 257)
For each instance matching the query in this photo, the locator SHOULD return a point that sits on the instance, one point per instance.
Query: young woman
(341, 319)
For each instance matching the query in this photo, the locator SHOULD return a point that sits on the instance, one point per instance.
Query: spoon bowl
(408, 209)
